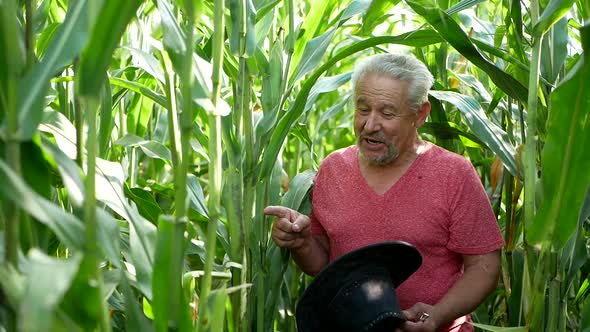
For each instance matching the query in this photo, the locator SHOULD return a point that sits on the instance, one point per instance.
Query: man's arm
(480, 278)
(292, 230)
(313, 255)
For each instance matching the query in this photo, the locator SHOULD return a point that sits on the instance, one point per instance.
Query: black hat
(356, 292)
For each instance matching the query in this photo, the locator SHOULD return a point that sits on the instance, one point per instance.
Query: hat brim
(400, 258)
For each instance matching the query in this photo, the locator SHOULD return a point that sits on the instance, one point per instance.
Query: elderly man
(394, 186)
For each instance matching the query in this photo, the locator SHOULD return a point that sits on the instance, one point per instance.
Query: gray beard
(390, 155)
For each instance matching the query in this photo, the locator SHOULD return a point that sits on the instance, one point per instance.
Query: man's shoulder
(344, 156)
(443, 156)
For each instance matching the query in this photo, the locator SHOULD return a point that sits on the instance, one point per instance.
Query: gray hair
(398, 67)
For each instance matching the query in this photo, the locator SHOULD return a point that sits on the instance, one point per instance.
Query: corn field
(141, 140)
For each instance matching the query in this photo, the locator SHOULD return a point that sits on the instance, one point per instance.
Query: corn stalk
(215, 165)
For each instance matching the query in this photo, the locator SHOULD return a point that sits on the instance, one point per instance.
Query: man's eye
(362, 110)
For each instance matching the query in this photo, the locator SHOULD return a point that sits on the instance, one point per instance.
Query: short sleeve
(473, 227)
(316, 226)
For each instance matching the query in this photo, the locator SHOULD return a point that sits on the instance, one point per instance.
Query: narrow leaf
(94, 64)
(313, 53)
(452, 33)
(65, 45)
(44, 294)
(67, 227)
(298, 189)
(554, 11)
(488, 132)
(565, 176)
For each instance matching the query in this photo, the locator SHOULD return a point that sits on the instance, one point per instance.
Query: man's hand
(420, 318)
(291, 229)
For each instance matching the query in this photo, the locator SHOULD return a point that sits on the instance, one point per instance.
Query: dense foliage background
(140, 141)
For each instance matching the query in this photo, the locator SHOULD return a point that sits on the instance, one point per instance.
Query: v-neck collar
(397, 184)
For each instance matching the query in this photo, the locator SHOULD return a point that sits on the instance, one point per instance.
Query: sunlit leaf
(67, 43)
(565, 176)
(44, 294)
(146, 204)
(313, 53)
(376, 14)
(554, 11)
(298, 189)
(500, 329)
(152, 149)
(196, 195)
(147, 62)
(67, 227)
(94, 64)
(488, 132)
(454, 35)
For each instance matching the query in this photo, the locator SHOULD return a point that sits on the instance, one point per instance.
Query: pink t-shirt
(439, 206)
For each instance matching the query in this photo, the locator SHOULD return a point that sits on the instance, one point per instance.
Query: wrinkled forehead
(380, 90)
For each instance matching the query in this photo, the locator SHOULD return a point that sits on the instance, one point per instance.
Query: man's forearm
(312, 256)
(480, 278)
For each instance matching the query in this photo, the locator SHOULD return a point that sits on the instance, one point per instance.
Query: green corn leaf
(106, 118)
(108, 228)
(554, 11)
(330, 114)
(444, 130)
(299, 188)
(357, 7)
(67, 43)
(94, 64)
(217, 300)
(565, 176)
(501, 329)
(169, 306)
(67, 227)
(376, 14)
(174, 38)
(454, 35)
(307, 32)
(325, 85)
(494, 137)
(109, 184)
(46, 37)
(555, 44)
(196, 195)
(135, 319)
(139, 88)
(462, 5)
(313, 54)
(146, 204)
(147, 62)
(43, 294)
(151, 149)
(575, 252)
(585, 321)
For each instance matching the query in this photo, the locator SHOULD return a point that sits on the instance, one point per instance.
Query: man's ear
(423, 112)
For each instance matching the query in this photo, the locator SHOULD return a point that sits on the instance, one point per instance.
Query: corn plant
(141, 140)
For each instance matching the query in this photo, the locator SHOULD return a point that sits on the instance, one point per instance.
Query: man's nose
(372, 123)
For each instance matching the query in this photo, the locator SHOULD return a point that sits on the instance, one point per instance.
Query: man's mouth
(373, 141)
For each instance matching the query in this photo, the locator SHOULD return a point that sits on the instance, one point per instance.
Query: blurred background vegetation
(140, 140)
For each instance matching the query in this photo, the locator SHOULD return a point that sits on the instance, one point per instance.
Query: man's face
(383, 121)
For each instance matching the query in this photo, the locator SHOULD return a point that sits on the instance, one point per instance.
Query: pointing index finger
(279, 211)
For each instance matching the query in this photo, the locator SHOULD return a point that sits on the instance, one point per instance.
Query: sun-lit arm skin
(480, 278)
(292, 230)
